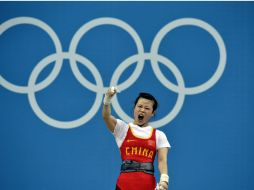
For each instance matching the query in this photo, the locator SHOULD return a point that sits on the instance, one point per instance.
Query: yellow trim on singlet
(139, 136)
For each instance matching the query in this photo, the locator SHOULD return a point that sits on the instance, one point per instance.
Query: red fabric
(140, 150)
(136, 181)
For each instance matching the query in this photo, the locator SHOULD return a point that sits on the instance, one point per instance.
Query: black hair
(149, 97)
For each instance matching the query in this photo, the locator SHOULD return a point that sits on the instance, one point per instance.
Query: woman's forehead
(145, 101)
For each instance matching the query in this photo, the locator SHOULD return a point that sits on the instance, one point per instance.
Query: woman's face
(143, 111)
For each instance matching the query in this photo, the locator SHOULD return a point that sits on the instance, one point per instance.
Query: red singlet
(140, 150)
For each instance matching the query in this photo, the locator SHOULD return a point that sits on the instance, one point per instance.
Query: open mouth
(140, 117)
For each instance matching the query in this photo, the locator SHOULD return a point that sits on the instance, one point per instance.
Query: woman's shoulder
(121, 122)
(160, 132)
(162, 140)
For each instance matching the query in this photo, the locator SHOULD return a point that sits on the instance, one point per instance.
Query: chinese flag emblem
(151, 142)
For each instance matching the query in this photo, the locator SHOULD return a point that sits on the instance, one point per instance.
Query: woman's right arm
(106, 109)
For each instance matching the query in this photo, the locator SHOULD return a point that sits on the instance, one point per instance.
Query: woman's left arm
(163, 167)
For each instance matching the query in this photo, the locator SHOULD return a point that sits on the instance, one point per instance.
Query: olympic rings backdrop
(59, 58)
